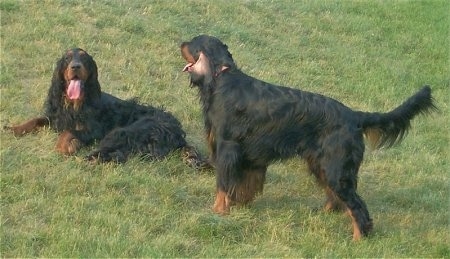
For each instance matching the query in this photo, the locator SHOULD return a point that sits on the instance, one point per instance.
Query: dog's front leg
(29, 126)
(222, 203)
(67, 143)
(228, 171)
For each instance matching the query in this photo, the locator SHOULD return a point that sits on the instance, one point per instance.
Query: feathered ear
(56, 91)
(58, 73)
(92, 84)
(57, 87)
(93, 69)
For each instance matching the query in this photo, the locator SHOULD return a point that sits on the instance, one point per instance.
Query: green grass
(370, 55)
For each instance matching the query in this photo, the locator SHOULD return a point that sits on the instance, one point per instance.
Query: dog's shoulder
(109, 99)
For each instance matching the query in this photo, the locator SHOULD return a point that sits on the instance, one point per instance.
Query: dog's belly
(264, 151)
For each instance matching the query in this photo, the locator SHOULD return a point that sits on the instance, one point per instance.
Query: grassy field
(371, 55)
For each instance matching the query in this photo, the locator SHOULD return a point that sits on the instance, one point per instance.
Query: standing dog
(82, 113)
(250, 123)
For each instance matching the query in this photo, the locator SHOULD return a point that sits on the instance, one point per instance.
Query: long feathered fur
(250, 123)
(388, 129)
(122, 127)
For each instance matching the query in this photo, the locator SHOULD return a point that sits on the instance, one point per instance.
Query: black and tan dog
(250, 123)
(82, 113)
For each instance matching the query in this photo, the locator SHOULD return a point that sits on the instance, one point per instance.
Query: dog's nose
(75, 66)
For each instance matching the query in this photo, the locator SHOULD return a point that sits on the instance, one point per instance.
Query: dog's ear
(58, 73)
(92, 67)
(93, 86)
(219, 55)
(57, 87)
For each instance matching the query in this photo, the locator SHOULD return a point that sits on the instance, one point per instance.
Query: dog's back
(275, 122)
(285, 120)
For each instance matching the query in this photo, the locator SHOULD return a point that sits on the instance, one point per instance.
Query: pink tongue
(74, 89)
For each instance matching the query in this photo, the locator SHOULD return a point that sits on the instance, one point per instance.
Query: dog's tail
(192, 158)
(387, 129)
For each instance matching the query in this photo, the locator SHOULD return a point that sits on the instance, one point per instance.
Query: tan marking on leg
(222, 203)
(67, 143)
(28, 126)
(333, 203)
(356, 231)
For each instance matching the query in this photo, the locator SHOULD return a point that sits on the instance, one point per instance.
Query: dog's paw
(17, 131)
(93, 157)
(103, 157)
(193, 158)
(67, 144)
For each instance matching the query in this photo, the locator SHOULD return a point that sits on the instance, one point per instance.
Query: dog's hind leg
(333, 203)
(148, 137)
(345, 189)
(341, 177)
(342, 155)
(115, 146)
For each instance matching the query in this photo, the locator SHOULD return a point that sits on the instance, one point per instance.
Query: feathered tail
(387, 129)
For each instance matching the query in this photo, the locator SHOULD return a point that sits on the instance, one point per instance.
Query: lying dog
(82, 114)
(250, 123)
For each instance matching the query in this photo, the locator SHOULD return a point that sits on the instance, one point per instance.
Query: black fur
(122, 127)
(251, 123)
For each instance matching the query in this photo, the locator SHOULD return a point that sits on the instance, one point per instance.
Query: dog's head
(77, 73)
(207, 58)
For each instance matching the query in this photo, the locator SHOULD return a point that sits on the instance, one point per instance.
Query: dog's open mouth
(73, 91)
(188, 57)
(192, 62)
